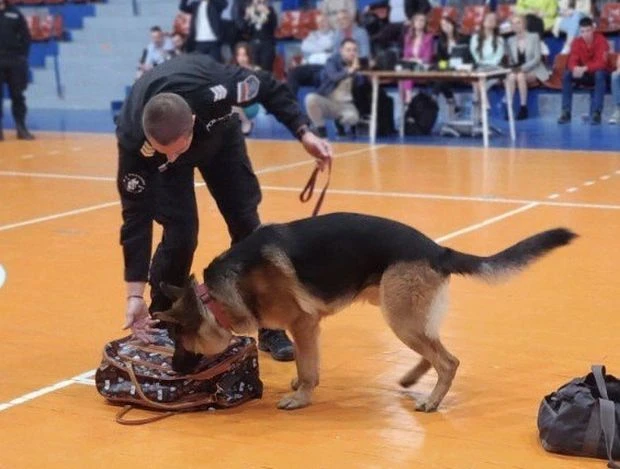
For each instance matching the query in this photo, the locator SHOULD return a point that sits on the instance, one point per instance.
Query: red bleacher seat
(610, 17)
(289, 24)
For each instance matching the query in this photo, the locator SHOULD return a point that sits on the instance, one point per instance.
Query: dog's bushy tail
(509, 261)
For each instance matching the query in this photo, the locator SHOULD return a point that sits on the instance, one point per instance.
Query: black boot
(22, 131)
(340, 128)
(522, 114)
(276, 342)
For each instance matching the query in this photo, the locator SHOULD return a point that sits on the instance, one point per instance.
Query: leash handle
(308, 190)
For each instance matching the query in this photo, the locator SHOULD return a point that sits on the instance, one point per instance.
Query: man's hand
(579, 71)
(355, 65)
(319, 148)
(138, 319)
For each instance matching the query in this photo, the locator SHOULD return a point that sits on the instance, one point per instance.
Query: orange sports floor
(63, 298)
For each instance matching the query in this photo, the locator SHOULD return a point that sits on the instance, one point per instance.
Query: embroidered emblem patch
(134, 183)
(219, 92)
(147, 150)
(247, 89)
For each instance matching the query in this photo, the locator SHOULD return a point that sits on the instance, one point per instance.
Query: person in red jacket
(587, 65)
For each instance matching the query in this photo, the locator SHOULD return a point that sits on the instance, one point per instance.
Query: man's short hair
(346, 40)
(585, 22)
(156, 29)
(166, 118)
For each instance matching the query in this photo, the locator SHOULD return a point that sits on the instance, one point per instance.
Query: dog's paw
(293, 401)
(425, 406)
(295, 383)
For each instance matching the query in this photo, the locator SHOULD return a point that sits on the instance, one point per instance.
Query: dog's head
(195, 328)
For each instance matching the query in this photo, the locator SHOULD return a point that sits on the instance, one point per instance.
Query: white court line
(76, 177)
(465, 198)
(78, 211)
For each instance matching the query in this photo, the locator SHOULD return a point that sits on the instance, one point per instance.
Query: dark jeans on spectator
(212, 48)
(264, 53)
(304, 75)
(597, 79)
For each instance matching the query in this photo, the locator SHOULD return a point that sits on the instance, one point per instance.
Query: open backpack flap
(141, 375)
(582, 418)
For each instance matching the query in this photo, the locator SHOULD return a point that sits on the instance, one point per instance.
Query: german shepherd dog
(291, 275)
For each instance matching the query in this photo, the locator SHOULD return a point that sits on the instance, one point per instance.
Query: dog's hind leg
(305, 332)
(413, 300)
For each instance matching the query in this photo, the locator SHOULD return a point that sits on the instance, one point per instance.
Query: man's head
(168, 124)
(345, 21)
(2, 4)
(586, 29)
(321, 22)
(348, 50)
(157, 36)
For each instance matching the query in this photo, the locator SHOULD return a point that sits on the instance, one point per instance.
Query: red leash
(308, 190)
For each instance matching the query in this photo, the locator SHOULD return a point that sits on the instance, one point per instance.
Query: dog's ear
(172, 292)
(166, 316)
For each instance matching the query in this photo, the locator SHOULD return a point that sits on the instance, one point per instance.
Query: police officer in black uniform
(176, 118)
(14, 48)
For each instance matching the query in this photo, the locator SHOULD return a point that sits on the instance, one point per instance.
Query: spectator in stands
(205, 31)
(586, 65)
(615, 91)
(417, 47)
(487, 50)
(178, 44)
(242, 56)
(316, 48)
(261, 21)
(14, 48)
(334, 99)
(348, 29)
(570, 12)
(414, 7)
(525, 60)
(448, 39)
(540, 15)
(157, 52)
(332, 8)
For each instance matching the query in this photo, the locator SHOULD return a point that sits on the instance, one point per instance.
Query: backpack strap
(126, 409)
(608, 414)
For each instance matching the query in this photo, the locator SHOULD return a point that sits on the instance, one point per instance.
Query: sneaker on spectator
(615, 117)
(596, 118)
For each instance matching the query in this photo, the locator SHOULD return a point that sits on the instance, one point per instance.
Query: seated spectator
(242, 56)
(332, 8)
(317, 47)
(334, 98)
(418, 47)
(586, 65)
(487, 50)
(178, 43)
(525, 60)
(448, 39)
(540, 15)
(348, 29)
(567, 22)
(261, 21)
(615, 91)
(205, 31)
(157, 52)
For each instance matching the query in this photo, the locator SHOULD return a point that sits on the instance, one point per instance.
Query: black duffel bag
(581, 418)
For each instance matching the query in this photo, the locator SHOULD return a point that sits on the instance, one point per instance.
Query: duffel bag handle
(126, 409)
(608, 414)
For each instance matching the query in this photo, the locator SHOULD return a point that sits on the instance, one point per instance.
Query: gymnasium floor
(63, 298)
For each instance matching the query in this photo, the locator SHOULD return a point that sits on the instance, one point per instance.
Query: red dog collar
(216, 309)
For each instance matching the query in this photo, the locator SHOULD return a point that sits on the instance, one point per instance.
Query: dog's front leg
(305, 332)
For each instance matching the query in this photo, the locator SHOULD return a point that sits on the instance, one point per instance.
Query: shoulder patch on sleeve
(147, 150)
(247, 89)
